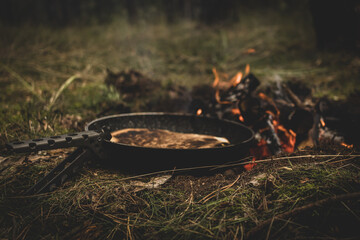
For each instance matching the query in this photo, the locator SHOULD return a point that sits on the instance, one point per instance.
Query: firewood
(298, 103)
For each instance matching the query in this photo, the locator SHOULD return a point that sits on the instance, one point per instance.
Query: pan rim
(246, 141)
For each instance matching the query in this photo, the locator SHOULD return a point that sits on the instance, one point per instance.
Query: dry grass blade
(61, 89)
(332, 156)
(23, 82)
(269, 230)
(212, 194)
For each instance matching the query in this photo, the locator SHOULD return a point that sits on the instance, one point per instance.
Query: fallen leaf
(154, 182)
(255, 181)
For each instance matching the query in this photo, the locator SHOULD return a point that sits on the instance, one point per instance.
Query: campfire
(282, 120)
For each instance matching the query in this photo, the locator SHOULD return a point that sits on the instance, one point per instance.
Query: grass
(52, 81)
(36, 61)
(100, 203)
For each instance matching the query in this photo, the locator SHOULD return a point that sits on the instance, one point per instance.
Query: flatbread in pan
(161, 138)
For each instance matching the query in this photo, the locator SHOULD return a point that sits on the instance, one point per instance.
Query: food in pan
(161, 138)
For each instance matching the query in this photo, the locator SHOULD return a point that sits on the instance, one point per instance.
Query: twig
(295, 99)
(301, 209)
(329, 160)
(343, 160)
(233, 165)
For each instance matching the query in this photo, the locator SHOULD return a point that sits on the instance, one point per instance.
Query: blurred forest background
(334, 21)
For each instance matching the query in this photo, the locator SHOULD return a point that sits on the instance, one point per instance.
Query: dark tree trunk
(336, 23)
(131, 6)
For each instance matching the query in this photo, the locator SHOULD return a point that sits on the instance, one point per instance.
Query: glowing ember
(349, 146)
(249, 166)
(235, 111)
(250, 50)
(260, 151)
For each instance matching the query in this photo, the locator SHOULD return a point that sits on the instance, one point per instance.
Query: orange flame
(322, 122)
(236, 111)
(199, 112)
(269, 100)
(236, 79)
(217, 79)
(247, 69)
(287, 139)
(216, 84)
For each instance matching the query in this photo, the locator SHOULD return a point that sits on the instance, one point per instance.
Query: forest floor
(52, 82)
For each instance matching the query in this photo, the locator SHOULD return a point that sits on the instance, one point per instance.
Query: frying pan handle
(62, 141)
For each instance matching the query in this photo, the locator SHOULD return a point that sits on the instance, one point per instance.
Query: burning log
(301, 120)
